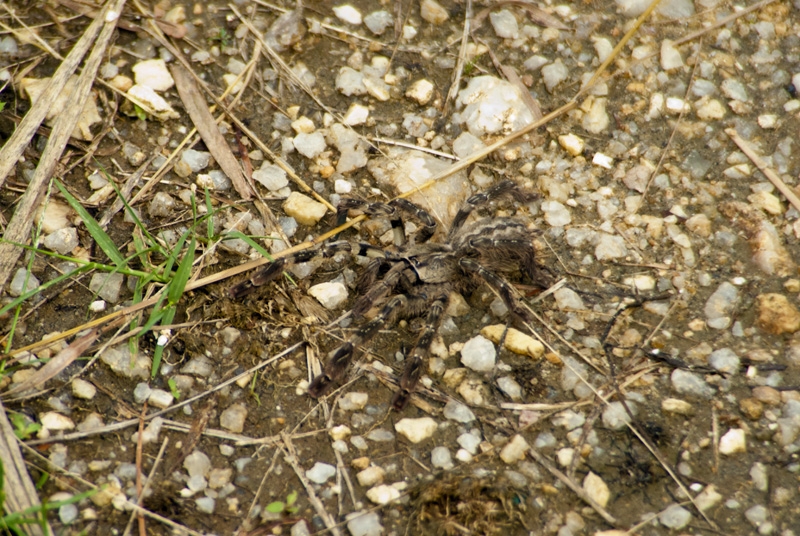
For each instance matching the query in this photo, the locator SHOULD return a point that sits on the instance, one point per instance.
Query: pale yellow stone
(515, 340)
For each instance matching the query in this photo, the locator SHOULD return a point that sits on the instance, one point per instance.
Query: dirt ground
(666, 398)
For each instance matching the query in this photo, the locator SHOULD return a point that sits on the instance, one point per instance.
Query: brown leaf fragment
(206, 126)
(61, 361)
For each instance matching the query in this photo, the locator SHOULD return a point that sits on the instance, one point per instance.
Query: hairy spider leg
(272, 270)
(339, 359)
(381, 288)
(502, 287)
(477, 200)
(391, 211)
(515, 247)
(416, 360)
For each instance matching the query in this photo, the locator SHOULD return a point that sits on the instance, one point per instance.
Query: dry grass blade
(762, 166)
(17, 143)
(20, 225)
(62, 360)
(206, 126)
(19, 489)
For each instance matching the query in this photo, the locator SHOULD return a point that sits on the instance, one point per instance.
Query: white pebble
(320, 473)
(383, 494)
(348, 14)
(153, 74)
(420, 91)
(357, 114)
(732, 442)
(56, 421)
(416, 430)
(331, 294)
(515, 450)
(83, 389)
(160, 398)
(479, 354)
(596, 489)
(303, 209)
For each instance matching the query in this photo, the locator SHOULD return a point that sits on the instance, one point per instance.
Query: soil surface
(666, 397)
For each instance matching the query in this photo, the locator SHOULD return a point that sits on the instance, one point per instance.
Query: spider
(413, 280)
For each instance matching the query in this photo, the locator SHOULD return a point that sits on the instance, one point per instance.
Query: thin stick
(291, 459)
(544, 462)
(762, 166)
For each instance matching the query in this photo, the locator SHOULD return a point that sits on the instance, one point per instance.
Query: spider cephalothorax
(413, 280)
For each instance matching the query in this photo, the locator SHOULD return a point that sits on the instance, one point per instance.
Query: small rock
(572, 144)
(776, 315)
(675, 517)
(510, 387)
(732, 442)
(199, 365)
(119, 359)
(433, 12)
(676, 405)
(553, 74)
(708, 109)
(378, 21)
(456, 411)
(609, 247)
(596, 119)
(416, 430)
(616, 417)
(379, 435)
(197, 464)
(751, 408)
(320, 473)
(196, 160)
(233, 418)
(153, 74)
(670, 56)
(767, 395)
(767, 202)
(469, 442)
(596, 489)
(107, 286)
(505, 24)
(62, 241)
(353, 401)
(310, 145)
(689, 383)
(370, 476)
(515, 450)
(22, 282)
(707, 498)
(303, 209)
(492, 106)
(364, 524)
(83, 389)
(441, 458)
(568, 300)
(472, 390)
(720, 306)
(556, 214)
(53, 420)
(357, 114)
(271, 176)
(724, 360)
(350, 82)
(161, 206)
(205, 505)
(160, 398)
(383, 494)
(331, 295)
(348, 14)
(758, 516)
(758, 472)
(733, 89)
(420, 91)
(479, 354)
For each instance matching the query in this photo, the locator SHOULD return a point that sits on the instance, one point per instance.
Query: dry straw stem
(19, 227)
(762, 166)
(19, 489)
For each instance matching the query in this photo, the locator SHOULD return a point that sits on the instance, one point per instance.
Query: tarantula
(417, 279)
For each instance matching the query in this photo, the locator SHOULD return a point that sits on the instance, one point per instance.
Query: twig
(544, 462)
(762, 166)
(291, 459)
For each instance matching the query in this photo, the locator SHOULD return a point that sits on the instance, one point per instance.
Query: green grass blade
(250, 242)
(182, 274)
(97, 232)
